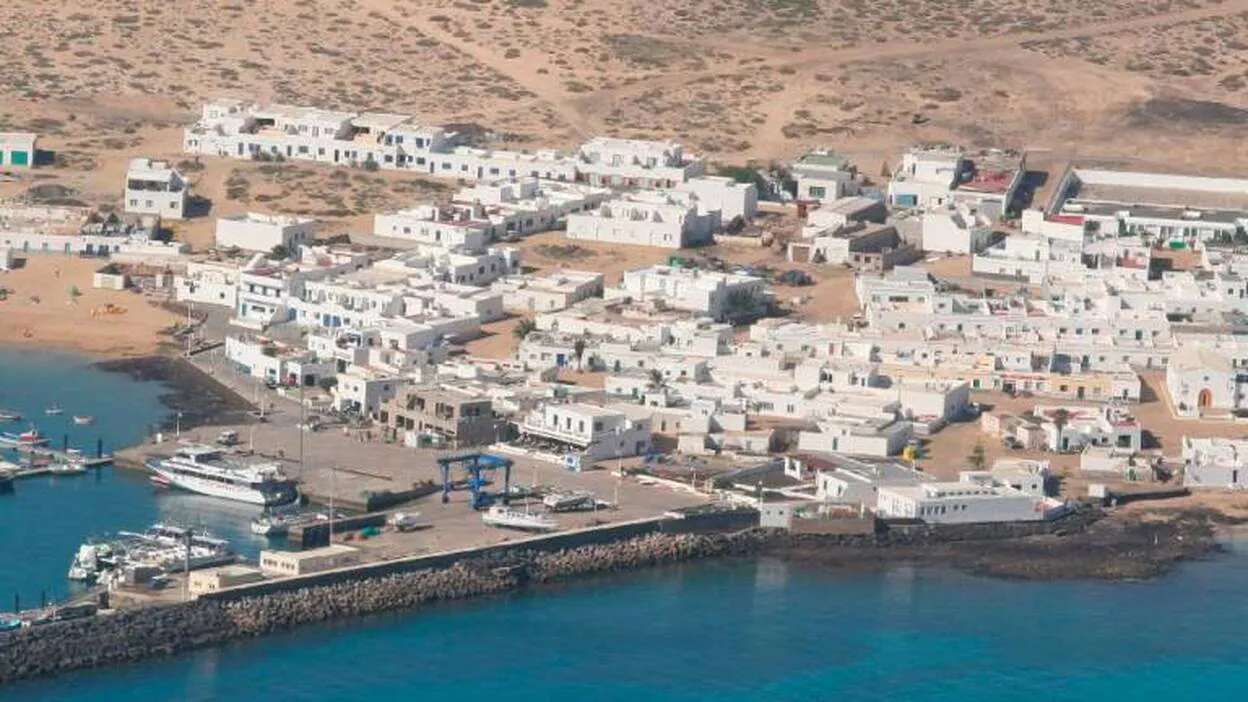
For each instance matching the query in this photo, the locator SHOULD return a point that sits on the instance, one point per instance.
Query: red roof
(1065, 219)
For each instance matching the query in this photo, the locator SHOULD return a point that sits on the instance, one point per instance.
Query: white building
(666, 220)
(154, 188)
(1204, 380)
(556, 291)
(959, 503)
(591, 433)
(251, 231)
(732, 199)
(464, 227)
(707, 293)
(632, 163)
(955, 229)
(208, 283)
(825, 176)
(939, 175)
(1171, 210)
(865, 436)
(521, 206)
(1215, 463)
(17, 149)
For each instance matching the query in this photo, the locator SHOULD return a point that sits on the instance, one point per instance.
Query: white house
(873, 436)
(154, 188)
(707, 293)
(520, 206)
(555, 291)
(646, 219)
(251, 231)
(635, 163)
(450, 226)
(825, 176)
(591, 433)
(362, 390)
(208, 283)
(1215, 463)
(733, 199)
(955, 229)
(959, 503)
(17, 149)
(1204, 380)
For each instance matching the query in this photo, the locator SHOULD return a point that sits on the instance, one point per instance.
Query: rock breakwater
(156, 631)
(1083, 545)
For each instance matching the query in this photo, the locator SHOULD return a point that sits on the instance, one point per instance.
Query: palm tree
(578, 350)
(978, 458)
(1061, 417)
(738, 304)
(524, 328)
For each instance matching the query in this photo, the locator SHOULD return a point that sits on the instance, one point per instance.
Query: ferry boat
(205, 470)
(83, 421)
(508, 518)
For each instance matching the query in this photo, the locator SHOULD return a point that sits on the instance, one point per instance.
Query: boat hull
(270, 495)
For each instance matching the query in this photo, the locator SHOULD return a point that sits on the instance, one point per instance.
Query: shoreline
(1092, 545)
(200, 398)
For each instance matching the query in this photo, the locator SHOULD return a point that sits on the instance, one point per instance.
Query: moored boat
(508, 518)
(205, 470)
(10, 416)
(53, 410)
(83, 421)
(30, 437)
(67, 468)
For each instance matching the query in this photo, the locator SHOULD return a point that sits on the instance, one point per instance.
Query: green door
(19, 158)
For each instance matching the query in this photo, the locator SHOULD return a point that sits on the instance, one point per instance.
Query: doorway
(1205, 399)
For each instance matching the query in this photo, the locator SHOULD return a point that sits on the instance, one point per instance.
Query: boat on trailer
(507, 518)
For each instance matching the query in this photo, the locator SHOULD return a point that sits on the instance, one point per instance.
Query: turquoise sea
(45, 519)
(721, 632)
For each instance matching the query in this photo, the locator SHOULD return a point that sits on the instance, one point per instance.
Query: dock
(67, 454)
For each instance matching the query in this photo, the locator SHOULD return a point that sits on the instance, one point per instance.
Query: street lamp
(178, 425)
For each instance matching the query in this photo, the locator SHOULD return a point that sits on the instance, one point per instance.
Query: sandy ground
(58, 319)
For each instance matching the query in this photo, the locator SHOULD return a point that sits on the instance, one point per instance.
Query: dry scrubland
(734, 78)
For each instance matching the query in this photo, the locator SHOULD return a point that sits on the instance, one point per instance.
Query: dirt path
(519, 72)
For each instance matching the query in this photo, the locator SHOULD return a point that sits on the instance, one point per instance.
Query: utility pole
(186, 567)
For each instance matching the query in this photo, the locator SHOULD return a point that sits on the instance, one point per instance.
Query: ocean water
(44, 519)
(728, 632)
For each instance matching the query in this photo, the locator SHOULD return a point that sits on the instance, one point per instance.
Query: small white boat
(53, 410)
(67, 468)
(508, 518)
(10, 416)
(83, 421)
(570, 501)
(404, 521)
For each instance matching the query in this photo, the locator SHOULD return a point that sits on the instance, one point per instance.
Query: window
(818, 192)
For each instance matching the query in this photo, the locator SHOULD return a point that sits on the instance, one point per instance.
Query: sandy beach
(42, 310)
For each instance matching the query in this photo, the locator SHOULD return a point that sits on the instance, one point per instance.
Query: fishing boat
(30, 437)
(163, 547)
(205, 470)
(508, 518)
(53, 410)
(10, 416)
(83, 421)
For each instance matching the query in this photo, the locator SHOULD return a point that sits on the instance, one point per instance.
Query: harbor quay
(344, 466)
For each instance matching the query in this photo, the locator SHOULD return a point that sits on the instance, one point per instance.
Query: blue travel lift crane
(474, 465)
